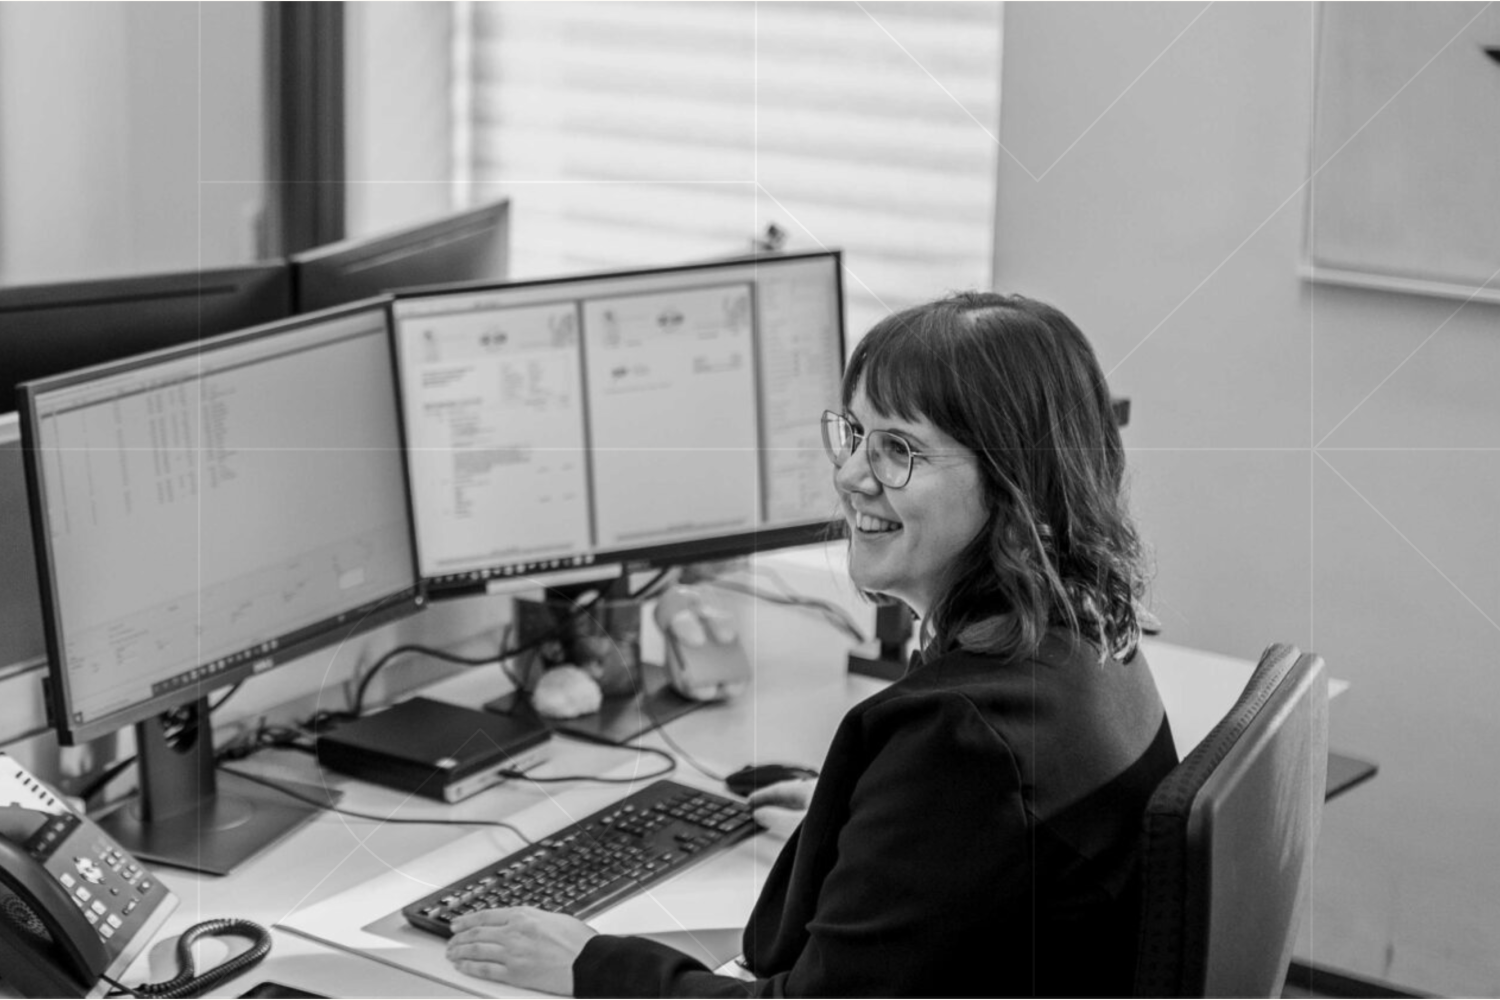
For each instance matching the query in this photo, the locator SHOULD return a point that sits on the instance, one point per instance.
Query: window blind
(644, 133)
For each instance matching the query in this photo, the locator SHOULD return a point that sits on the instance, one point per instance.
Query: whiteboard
(1405, 185)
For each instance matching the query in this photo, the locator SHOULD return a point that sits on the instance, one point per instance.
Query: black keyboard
(621, 850)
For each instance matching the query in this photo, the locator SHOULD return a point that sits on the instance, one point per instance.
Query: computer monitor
(472, 245)
(22, 646)
(52, 328)
(632, 419)
(202, 515)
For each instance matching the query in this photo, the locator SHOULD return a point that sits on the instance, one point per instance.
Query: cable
(118, 768)
(644, 592)
(661, 729)
(264, 737)
(693, 762)
(120, 989)
(409, 820)
(557, 778)
(357, 709)
(187, 982)
(646, 589)
(831, 612)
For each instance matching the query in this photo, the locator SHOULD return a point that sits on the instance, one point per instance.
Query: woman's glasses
(890, 455)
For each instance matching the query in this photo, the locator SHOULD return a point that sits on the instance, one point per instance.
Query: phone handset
(40, 924)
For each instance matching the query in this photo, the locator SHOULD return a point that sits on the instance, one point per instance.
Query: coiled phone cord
(187, 982)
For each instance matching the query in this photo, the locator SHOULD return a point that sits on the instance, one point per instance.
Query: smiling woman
(974, 827)
(1008, 388)
(912, 504)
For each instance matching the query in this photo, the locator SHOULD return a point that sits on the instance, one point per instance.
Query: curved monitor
(53, 328)
(472, 245)
(628, 418)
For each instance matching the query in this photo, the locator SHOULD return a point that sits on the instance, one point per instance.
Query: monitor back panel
(55, 328)
(473, 245)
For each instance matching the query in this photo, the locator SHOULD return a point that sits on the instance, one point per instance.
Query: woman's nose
(855, 475)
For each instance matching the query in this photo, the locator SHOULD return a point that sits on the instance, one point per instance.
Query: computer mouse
(756, 776)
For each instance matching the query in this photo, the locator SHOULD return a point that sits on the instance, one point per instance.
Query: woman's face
(905, 541)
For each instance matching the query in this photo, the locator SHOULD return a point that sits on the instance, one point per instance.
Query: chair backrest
(1228, 840)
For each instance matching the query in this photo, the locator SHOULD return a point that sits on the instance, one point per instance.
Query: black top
(974, 832)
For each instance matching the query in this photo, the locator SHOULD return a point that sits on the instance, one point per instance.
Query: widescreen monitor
(52, 328)
(204, 514)
(472, 245)
(627, 419)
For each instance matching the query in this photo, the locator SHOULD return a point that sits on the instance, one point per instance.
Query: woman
(975, 826)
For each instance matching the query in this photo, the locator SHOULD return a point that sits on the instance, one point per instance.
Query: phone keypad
(113, 893)
(104, 882)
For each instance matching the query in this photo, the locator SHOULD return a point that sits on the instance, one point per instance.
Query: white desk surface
(800, 691)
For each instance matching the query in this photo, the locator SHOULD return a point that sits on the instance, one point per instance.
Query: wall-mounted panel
(1406, 148)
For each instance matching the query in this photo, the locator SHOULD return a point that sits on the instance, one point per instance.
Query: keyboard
(603, 859)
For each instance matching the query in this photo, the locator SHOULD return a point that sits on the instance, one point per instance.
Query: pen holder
(605, 641)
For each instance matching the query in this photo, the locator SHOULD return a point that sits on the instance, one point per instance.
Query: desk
(799, 694)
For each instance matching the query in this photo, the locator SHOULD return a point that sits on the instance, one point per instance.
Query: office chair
(1228, 837)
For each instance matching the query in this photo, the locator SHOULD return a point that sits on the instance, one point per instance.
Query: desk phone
(74, 906)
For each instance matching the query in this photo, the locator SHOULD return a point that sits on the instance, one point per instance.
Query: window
(132, 138)
(645, 133)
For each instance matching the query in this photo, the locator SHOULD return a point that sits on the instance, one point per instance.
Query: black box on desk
(441, 751)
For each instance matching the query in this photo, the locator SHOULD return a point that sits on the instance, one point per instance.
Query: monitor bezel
(647, 557)
(303, 641)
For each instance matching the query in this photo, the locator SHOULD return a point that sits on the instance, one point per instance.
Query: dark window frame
(305, 140)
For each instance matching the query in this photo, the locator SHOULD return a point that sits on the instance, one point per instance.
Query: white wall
(131, 137)
(1171, 232)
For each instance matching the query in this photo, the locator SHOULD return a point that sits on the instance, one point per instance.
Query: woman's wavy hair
(1016, 382)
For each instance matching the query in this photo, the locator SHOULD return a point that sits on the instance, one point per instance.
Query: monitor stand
(190, 816)
(619, 719)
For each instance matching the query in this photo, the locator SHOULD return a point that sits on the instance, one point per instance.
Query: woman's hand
(522, 946)
(779, 807)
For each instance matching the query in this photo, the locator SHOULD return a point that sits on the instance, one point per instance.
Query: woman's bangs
(901, 373)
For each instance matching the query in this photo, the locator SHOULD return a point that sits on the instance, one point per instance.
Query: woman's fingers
(481, 918)
(794, 794)
(477, 951)
(484, 970)
(779, 822)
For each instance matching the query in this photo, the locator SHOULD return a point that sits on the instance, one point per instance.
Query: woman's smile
(872, 525)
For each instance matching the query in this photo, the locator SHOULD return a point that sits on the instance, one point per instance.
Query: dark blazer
(974, 832)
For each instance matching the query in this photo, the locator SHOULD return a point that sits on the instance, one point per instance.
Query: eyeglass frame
(857, 437)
